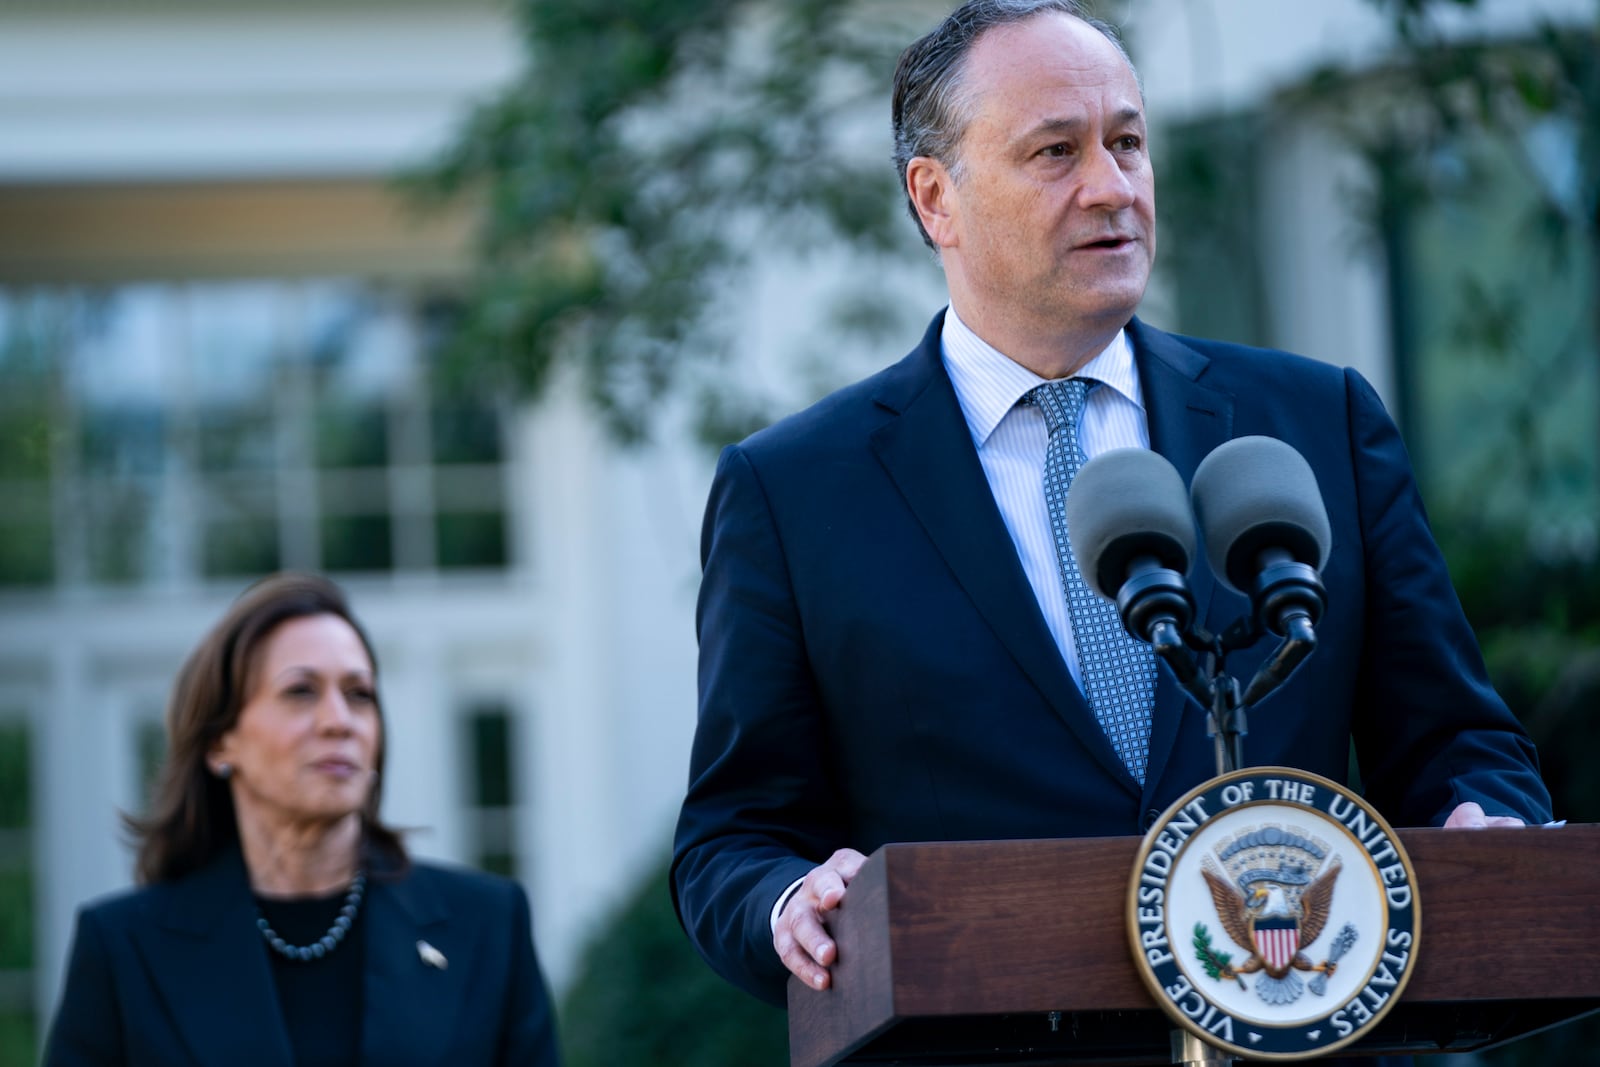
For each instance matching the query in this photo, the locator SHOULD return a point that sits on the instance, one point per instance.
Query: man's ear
(933, 193)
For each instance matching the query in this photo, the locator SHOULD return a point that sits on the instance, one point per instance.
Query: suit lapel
(927, 451)
(205, 956)
(411, 1006)
(1187, 420)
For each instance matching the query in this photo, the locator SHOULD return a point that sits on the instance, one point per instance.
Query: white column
(1321, 265)
(572, 841)
(76, 750)
(422, 787)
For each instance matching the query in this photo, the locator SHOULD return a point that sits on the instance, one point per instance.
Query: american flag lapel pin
(431, 956)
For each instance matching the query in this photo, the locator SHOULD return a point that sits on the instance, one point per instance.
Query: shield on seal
(1277, 940)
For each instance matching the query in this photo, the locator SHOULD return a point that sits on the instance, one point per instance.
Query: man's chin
(1108, 311)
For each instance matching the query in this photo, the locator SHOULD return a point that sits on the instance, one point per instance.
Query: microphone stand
(1287, 600)
(1227, 721)
(1213, 690)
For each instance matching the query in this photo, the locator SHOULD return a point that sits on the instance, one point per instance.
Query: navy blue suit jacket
(874, 666)
(177, 974)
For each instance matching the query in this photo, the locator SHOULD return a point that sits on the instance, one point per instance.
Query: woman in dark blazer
(280, 923)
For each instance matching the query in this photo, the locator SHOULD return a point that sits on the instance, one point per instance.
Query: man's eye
(1129, 143)
(1056, 151)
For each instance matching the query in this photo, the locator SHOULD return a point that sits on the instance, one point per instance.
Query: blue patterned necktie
(1119, 672)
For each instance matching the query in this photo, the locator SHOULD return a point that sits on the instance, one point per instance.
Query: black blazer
(874, 666)
(177, 974)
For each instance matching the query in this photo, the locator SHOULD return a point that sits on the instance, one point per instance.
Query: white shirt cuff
(777, 909)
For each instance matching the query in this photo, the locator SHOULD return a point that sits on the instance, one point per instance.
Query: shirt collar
(989, 383)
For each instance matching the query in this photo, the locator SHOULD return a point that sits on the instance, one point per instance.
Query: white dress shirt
(1011, 439)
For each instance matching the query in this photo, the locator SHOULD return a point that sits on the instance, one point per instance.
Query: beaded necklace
(328, 941)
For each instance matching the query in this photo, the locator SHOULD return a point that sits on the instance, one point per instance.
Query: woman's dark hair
(191, 815)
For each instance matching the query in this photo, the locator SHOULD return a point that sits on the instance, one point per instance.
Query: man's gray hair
(931, 110)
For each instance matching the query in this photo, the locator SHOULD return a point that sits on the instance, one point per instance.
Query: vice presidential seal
(1273, 914)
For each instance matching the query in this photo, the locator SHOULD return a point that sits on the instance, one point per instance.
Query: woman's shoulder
(127, 908)
(120, 906)
(188, 901)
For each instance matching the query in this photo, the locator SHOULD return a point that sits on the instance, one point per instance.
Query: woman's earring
(224, 771)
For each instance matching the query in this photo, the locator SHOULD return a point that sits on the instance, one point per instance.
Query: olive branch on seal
(1213, 961)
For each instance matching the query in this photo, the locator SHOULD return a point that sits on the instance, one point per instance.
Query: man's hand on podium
(800, 935)
(1470, 816)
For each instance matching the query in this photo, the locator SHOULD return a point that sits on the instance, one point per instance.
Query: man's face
(1051, 223)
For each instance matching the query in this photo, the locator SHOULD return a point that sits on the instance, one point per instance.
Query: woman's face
(304, 749)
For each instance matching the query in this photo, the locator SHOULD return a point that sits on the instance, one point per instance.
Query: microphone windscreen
(1123, 504)
(1256, 493)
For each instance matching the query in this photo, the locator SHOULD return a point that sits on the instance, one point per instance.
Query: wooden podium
(1016, 952)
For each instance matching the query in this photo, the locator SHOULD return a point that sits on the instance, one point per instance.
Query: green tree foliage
(625, 176)
(1454, 120)
(1530, 586)
(643, 996)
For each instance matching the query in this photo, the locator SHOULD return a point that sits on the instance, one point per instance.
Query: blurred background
(454, 299)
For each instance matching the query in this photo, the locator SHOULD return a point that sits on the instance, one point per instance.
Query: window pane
(16, 918)
(490, 739)
(24, 437)
(123, 441)
(471, 539)
(235, 439)
(27, 547)
(351, 435)
(16, 780)
(164, 399)
(235, 342)
(122, 341)
(245, 546)
(466, 434)
(118, 530)
(239, 535)
(16, 880)
(493, 786)
(356, 543)
(360, 345)
(28, 384)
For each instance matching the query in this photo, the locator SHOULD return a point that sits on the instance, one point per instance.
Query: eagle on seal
(1274, 928)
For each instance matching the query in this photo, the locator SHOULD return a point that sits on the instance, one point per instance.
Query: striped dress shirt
(1011, 439)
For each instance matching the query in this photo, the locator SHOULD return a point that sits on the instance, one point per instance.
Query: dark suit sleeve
(88, 1026)
(1431, 732)
(529, 1038)
(759, 811)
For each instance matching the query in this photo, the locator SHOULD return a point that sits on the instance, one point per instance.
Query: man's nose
(1105, 183)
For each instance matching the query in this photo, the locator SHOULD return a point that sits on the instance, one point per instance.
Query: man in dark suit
(889, 651)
